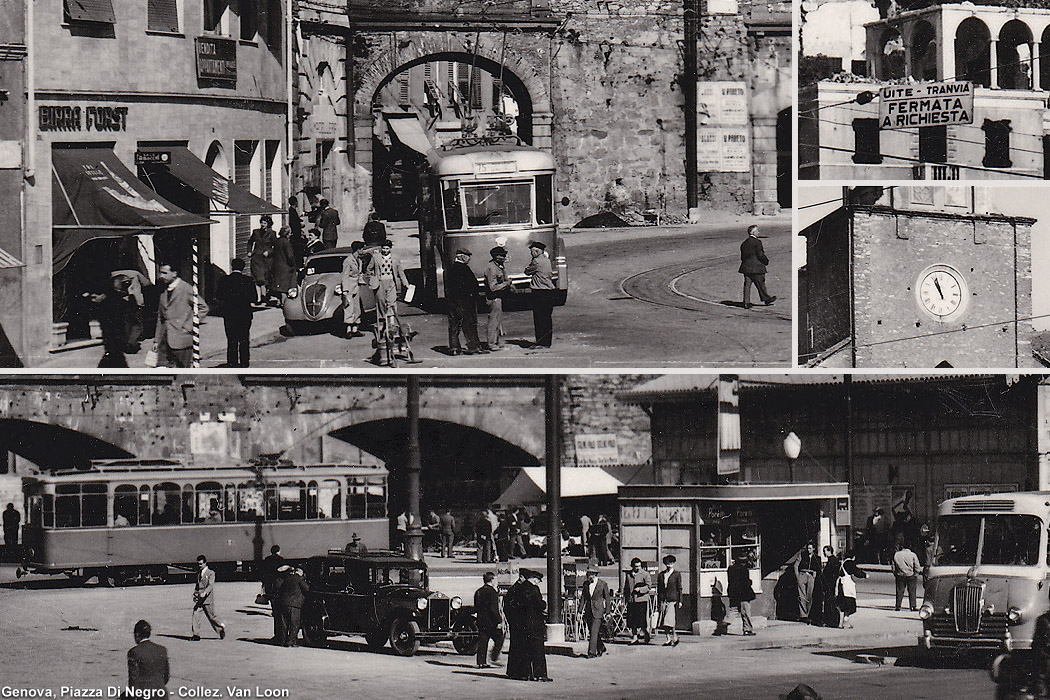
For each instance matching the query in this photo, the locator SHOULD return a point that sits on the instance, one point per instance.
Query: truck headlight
(1014, 616)
(293, 292)
(456, 603)
(926, 611)
(422, 603)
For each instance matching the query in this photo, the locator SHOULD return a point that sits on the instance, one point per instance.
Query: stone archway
(525, 71)
(53, 447)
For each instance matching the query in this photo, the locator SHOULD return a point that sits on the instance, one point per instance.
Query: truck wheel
(404, 636)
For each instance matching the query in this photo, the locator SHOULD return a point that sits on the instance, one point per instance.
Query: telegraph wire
(999, 171)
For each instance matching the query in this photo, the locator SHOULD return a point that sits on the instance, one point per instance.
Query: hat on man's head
(463, 251)
(538, 244)
(593, 568)
(531, 573)
(284, 568)
(498, 250)
(385, 242)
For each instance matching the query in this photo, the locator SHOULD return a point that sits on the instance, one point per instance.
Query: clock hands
(937, 284)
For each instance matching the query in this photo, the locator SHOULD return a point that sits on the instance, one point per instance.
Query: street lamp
(792, 449)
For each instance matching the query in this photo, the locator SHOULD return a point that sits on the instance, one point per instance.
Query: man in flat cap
(542, 291)
(461, 293)
(497, 286)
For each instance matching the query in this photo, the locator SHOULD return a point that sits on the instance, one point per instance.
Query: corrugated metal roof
(679, 387)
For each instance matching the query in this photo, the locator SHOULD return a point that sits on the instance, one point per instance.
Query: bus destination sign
(925, 104)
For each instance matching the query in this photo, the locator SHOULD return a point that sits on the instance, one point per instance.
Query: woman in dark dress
(282, 271)
(261, 246)
(829, 580)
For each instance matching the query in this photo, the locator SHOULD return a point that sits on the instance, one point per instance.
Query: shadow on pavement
(913, 657)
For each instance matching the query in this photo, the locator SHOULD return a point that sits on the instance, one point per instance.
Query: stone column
(1036, 59)
(1043, 436)
(764, 165)
(993, 61)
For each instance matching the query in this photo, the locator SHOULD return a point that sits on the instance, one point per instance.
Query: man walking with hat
(542, 289)
(461, 292)
(596, 598)
(496, 287)
(753, 263)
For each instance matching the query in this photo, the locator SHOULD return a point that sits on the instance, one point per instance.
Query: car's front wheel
(313, 629)
(466, 637)
(404, 636)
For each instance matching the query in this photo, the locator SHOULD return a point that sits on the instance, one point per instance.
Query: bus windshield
(1008, 539)
(497, 203)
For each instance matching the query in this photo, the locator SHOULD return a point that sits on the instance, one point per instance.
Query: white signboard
(722, 103)
(596, 450)
(723, 149)
(925, 104)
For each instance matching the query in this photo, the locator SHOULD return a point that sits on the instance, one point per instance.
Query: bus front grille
(968, 600)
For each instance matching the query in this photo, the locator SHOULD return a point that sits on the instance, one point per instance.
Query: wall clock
(941, 291)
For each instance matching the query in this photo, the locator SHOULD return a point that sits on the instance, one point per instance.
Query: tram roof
(487, 159)
(163, 468)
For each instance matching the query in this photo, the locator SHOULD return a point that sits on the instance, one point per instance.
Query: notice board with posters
(724, 132)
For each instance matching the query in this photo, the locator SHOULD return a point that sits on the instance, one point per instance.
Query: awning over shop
(409, 132)
(94, 195)
(193, 173)
(530, 485)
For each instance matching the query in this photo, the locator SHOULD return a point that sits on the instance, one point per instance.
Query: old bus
(989, 576)
(477, 193)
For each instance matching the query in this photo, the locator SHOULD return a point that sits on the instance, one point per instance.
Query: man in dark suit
(147, 662)
(596, 598)
(740, 592)
(236, 294)
(490, 623)
(271, 583)
(535, 626)
(174, 320)
(669, 597)
(293, 595)
(753, 263)
(461, 292)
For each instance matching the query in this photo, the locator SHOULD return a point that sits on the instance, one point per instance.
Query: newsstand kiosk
(705, 527)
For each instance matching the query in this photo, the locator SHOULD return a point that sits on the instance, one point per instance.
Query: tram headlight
(456, 603)
(422, 603)
(1014, 616)
(926, 611)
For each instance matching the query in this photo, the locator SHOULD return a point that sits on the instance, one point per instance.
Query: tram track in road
(663, 286)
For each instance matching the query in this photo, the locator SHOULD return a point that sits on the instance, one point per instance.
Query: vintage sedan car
(316, 299)
(385, 597)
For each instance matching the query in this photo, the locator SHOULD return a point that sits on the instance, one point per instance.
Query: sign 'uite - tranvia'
(925, 104)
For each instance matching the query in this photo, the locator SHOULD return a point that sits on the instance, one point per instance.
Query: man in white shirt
(906, 569)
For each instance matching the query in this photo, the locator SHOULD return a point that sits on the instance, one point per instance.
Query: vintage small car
(317, 297)
(385, 597)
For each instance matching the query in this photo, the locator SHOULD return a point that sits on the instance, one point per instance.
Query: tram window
(330, 504)
(67, 505)
(357, 500)
(249, 502)
(450, 203)
(271, 503)
(125, 505)
(311, 500)
(166, 504)
(544, 199)
(187, 503)
(498, 203)
(93, 505)
(376, 497)
(144, 509)
(292, 496)
(230, 508)
(209, 496)
(49, 510)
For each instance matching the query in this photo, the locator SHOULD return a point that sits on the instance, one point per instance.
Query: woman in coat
(260, 246)
(282, 270)
(637, 589)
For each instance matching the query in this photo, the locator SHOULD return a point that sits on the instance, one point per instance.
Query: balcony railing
(934, 171)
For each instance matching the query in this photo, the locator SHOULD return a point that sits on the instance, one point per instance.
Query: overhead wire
(1000, 171)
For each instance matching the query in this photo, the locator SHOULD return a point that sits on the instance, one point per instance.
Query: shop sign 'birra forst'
(925, 104)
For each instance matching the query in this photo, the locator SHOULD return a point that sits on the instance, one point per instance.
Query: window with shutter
(90, 11)
(162, 16)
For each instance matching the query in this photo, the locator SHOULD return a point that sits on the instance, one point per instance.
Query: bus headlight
(422, 603)
(926, 611)
(456, 603)
(1014, 616)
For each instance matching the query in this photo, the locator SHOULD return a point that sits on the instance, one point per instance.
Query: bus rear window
(498, 203)
(450, 203)
(544, 199)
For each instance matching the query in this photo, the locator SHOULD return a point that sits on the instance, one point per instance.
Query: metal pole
(553, 421)
(847, 442)
(690, 19)
(414, 545)
(196, 303)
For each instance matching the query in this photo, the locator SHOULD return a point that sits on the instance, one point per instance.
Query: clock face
(942, 292)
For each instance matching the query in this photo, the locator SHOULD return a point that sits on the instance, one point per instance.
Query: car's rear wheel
(404, 636)
(313, 629)
(466, 637)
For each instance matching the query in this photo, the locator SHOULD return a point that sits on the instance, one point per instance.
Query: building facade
(598, 85)
(997, 48)
(917, 277)
(154, 132)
